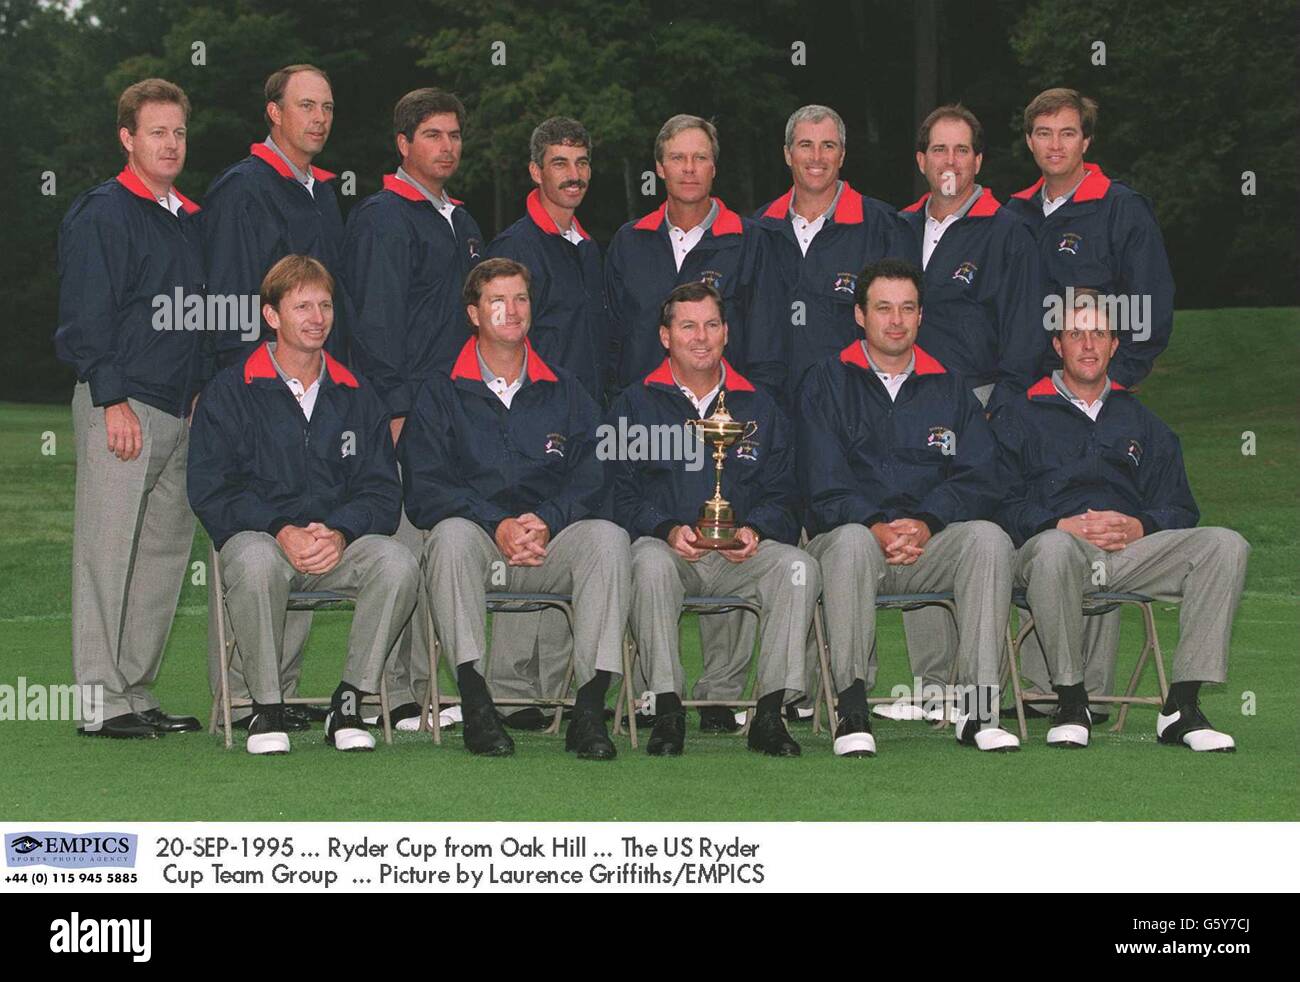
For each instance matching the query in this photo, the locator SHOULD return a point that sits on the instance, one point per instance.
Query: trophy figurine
(716, 528)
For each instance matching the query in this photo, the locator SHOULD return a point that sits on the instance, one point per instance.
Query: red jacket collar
(1046, 387)
(732, 380)
(1094, 187)
(467, 363)
(727, 222)
(925, 364)
(268, 156)
(985, 205)
(848, 210)
(137, 187)
(409, 191)
(543, 220)
(259, 365)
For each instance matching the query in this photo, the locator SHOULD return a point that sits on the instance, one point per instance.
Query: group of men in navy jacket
(414, 419)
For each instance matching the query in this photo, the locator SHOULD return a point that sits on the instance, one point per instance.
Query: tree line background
(1192, 95)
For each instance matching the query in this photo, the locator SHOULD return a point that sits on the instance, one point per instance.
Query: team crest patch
(475, 248)
(747, 450)
(1069, 243)
(1134, 452)
(712, 277)
(939, 436)
(555, 444)
(965, 272)
(846, 283)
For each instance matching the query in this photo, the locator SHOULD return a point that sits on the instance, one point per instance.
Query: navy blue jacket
(256, 464)
(1060, 463)
(570, 327)
(118, 250)
(1105, 237)
(862, 230)
(464, 454)
(758, 478)
(983, 315)
(866, 459)
(732, 256)
(256, 213)
(405, 270)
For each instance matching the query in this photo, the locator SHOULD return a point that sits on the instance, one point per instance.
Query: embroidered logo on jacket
(555, 444)
(1134, 452)
(712, 277)
(845, 283)
(965, 272)
(1069, 243)
(475, 248)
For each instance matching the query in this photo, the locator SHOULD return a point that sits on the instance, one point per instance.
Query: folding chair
(1094, 604)
(708, 606)
(505, 603)
(887, 601)
(226, 642)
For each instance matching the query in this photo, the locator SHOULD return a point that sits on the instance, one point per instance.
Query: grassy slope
(47, 772)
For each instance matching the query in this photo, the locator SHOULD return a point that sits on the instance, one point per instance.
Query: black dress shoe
(290, 722)
(768, 735)
(128, 726)
(483, 734)
(1033, 712)
(669, 735)
(312, 714)
(163, 723)
(587, 738)
(528, 718)
(718, 719)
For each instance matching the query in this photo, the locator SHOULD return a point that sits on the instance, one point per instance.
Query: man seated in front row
(658, 502)
(900, 470)
(1099, 502)
(499, 460)
(292, 472)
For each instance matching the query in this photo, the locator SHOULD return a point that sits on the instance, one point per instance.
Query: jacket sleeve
(432, 488)
(94, 269)
(240, 238)
(374, 492)
(218, 479)
(1143, 271)
(376, 269)
(634, 510)
(971, 490)
(584, 492)
(1019, 515)
(767, 323)
(832, 495)
(1166, 496)
(1018, 315)
(773, 513)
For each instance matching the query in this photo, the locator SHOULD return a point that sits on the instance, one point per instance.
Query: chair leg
(629, 664)
(383, 708)
(219, 590)
(433, 697)
(1014, 655)
(824, 663)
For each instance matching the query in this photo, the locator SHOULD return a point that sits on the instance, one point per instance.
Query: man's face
(503, 313)
(1057, 142)
(816, 156)
(1085, 345)
(688, 168)
(156, 150)
(891, 317)
(697, 336)
(434, 155)
(303, 117)
(303, 319)
(564, 175)
(950, 162)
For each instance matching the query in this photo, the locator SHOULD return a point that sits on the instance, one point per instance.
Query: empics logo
(102, 935)
(66, 850)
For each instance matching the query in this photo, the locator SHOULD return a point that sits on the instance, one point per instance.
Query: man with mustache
(122, 244)
(570, 329)
(406, 253)
(273, 203)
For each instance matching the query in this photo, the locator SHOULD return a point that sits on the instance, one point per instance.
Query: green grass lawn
(47, 772)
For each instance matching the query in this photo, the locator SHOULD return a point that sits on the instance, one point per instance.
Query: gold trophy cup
(716, 528)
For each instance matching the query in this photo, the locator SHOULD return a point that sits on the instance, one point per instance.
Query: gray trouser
(529, 655)
(297, 627)
(131, 539)
(408, 669)
(590, 560)
(782, 579)
(379, 574)
(1203, 568)
(971, 559)
(726, 649)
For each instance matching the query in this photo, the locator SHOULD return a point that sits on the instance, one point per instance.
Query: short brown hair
(680, 123)
(419, 104)
(148, 90)
(289, 274)
(488, 270)
(957, 111)
(1051, 101)
(278, 81)
(690, 293)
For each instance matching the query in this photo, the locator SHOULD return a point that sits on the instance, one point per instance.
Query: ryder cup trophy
(716, 528)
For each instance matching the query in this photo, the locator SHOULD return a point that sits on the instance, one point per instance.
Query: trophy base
(717, 537)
